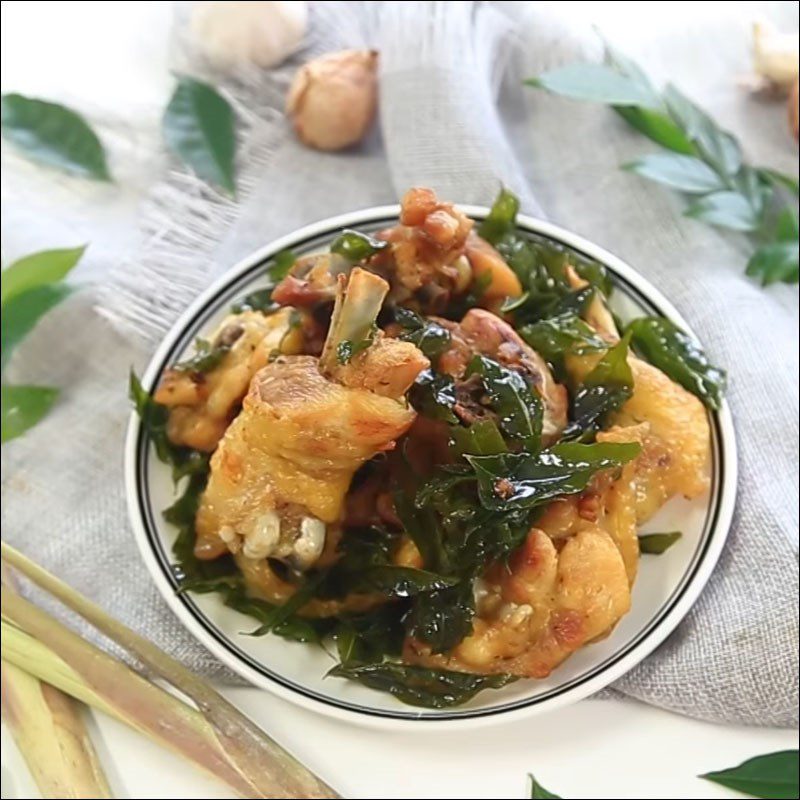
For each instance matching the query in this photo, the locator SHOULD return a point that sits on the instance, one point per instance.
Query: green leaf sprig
(774, 775)
(31, 286)
(53, 135)
(704, 161)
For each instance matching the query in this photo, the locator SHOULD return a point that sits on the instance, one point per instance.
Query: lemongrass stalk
(39, 644)
(259, 758)
(51, 736)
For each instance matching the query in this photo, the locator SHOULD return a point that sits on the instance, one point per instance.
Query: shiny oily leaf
(518, 406)
(680, 357)
(429, 336)
(420, 686)
(198, 127)
(433, 395)
(603, 390)
(482, 438)
(685, 173)
(38, 269)
(23, 407)
(523, 481)
(356, 246)
(54, 135)
(396, 581)
(206, 357)
(658, 543)
(566, 334)
(538, 792)
(441, 619)
(23, 311)
(774, 776)
(369, 637)
(596, 82)
(725, 210)
(502, 217)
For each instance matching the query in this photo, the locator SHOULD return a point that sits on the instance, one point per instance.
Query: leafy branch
(704, 161)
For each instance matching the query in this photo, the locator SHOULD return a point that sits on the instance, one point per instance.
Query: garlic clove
(333, 99)
(775, 55)
(308, 546)
(235, 33)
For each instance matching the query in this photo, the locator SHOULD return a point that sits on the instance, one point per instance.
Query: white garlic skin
(235, 33)
(332, 100)
(776, 55)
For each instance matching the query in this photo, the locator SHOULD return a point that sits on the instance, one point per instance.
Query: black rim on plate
(232, 291)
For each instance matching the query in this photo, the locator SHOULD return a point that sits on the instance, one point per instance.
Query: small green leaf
(434, 396)
(565, 334)
(658, 127)
(658, 543)
(772, 776)
(198, 127)
(502, 217)
(443, 618)
(23, 407)
(726, 210)
(685, 173)
(22, 312)
(717, 146)
(482, 438)
(356, 246)
(680, 357)
(787, 227)
(595, 82)
(37, 269)
(538, 792)
(206, 357)
(429, 336)
(774, 262)
(54, 135)
(420, 686)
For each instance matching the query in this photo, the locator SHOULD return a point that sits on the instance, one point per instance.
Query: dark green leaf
(566, 334)
(658, 127)
(501, 219)
(420, 686)
(685, 173)
(604, 390)
(522, 481)
(23, 311)
(518, 407)
(771, 776)
(280, 265)
(205, 358)
(292, 627)
(787, 227)
(538, 792)
(281, 614)
(443, 618)
(434, 395)
(23, 407)
(482, 438)
(420, 525)
(347, 349)
(774, 262)
(429, 336)
(369, 637)
(356, 246)
(726, 210)
(259, 300)
(716, 146)
(38, 269)
(394, 581)
(54, 135)
(680, 357)
(595, 82)
(199, 128)
(658, 543)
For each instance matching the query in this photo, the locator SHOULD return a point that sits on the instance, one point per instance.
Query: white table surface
(113, 56)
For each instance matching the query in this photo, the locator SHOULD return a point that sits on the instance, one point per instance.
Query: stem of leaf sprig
(705, 161)
(270, 770)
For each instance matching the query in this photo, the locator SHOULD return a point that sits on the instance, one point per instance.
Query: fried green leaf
(501, 219)
(420, 686)
(370, 637)
(680, 357)
(356, 246)
(658, 543)
(523, 480)
(603, 391)
(206, 357)
(441, 619)
(433, 395)
(429, 336)
(482, 438)
(565, 334)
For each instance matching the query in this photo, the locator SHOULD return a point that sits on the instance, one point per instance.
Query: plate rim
(380, 717)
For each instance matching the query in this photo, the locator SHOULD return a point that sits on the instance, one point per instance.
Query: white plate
(665, 589)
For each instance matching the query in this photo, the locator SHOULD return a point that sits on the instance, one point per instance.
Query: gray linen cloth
(734, 658)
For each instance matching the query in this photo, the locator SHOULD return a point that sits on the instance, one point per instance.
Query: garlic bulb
(233, 33)
(332, 99)
(775, 55)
